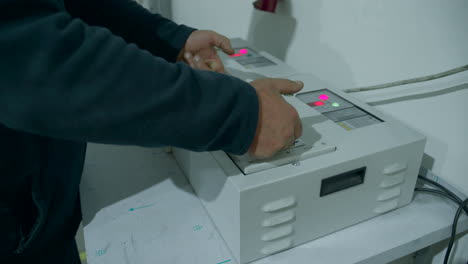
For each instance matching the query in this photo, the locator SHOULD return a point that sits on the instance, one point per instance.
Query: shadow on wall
(278, 33)
(166, 8)
(273, 32)
(321, 59)
(162, 7)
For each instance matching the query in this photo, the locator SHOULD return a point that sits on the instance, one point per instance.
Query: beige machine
(352, 163)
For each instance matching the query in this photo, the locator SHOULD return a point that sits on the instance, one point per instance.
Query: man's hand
(200, 50)
(278, 124)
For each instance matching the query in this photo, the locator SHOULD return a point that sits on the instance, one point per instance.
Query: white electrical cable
(403, 82)
(415, 94)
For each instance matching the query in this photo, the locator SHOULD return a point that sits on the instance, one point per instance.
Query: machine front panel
(351, 163)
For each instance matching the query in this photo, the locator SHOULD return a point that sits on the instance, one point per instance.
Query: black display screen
(342, 181)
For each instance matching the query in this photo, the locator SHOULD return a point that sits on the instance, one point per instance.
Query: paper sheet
(163, 224)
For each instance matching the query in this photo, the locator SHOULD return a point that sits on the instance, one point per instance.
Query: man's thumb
(291, 87)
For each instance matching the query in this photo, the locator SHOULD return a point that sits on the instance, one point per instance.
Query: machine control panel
(342, 112)
(250, 59)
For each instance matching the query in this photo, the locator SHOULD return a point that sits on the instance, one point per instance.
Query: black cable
(439, 192)
(457, 216)
(463, 206)
(454, 230)
(438, 185)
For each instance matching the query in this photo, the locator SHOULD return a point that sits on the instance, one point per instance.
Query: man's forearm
(134, 23)
(82, 83)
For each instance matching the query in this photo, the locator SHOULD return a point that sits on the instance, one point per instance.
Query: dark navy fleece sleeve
(60, 77)
(135, 24)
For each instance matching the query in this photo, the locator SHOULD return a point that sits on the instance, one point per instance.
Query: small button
(279, 204)
(389, 194)
(395, 168)
(279, 219)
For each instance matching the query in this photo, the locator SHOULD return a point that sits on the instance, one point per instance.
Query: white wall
(346, 42)
(157, 6)
(364, 42)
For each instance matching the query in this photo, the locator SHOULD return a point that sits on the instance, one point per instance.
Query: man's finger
(289, 144)
(298, 129)
(223, 43)
(289, 87)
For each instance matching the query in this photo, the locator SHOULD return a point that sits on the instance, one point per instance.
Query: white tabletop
(138, 196)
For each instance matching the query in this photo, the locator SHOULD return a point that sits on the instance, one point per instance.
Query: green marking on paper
(141, 207)
(197, 228)
(226, 261)
(101, 252)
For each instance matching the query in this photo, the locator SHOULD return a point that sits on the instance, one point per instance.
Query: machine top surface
(335, 108)
(337, 128)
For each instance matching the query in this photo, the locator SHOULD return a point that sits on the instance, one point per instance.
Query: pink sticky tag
(266, 5)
